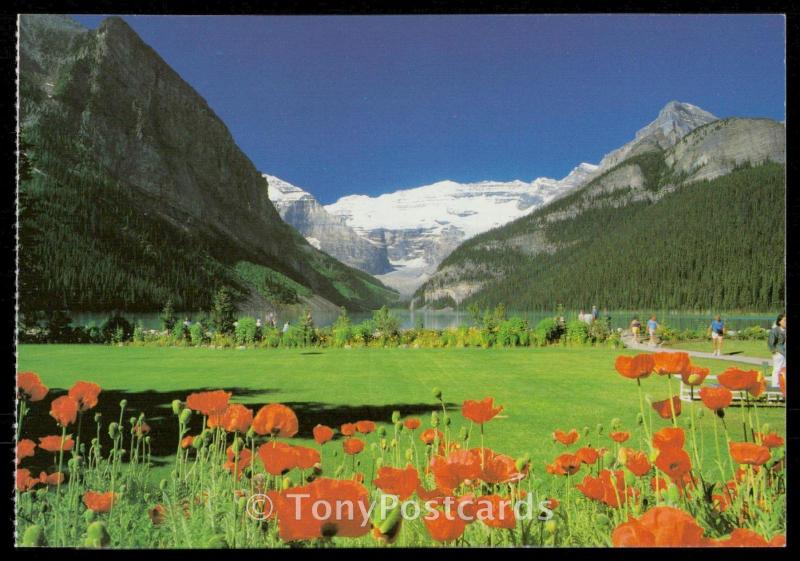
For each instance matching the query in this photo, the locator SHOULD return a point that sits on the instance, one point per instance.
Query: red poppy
(637, 462)
(276, 419)
(237, 418)
(187, 441)
(399, 482)
(666, 363)
(496, 512)
(567, 464)
(428, 436)
(587, 455)
(24, 480)
(352, 446)
(209, 403)
(98, 502)
(619, 436)
(239, 463)
(748, 453)
(412, 423)
(141, 429)
(157, 514)
(480, 411)
(322, 434)
(30, 387)
(348, 429)
(305, 457)
(782, 381)
(52, 479)
(737, 380)
(771, 440)
(639, 366)
(608, 487)
(64, 410)
(279, 457)
(86, 394)
(365, 427)
(566, 438)
(722, 501)
(498, 468)
(25, 449)
(661, 526)
(695, 376)
(303, 519)
(759, 387)
(592, 488)
(457, 467)
(444, 526)
(674, 462)
(53, 443)
(669, 437)
(665, 410)
(716, 398)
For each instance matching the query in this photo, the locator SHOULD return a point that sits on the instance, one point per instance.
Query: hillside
(696, 226)
(133, 191)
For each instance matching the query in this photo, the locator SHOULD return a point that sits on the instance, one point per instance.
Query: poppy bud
(97, 535)
(447, 421)
(389, 528)
(141, 417)
(113, 430)
(88, 515)
(251, 434)
(177, 406)
(394, 443)
(217, 542)
(550, 526)
(437, 393)
(185, 415)
(197, 443)
(599, 428)
(237, 445)
(615, 423)
(409, 454)
(639, 419)
(523, 461)
(122, 489)
(398, 426)
(122, 452)
(147, 439)
(83, 448)
(97, 417)
(123, 404)
(33, 536)
(463, 434)
(586, 431)
(378, 463)
(381, 431)
(132, 421)
(383, 444)
(720, 413)
(162, 484)
(694, 379)
(395, 416)
(435, 419)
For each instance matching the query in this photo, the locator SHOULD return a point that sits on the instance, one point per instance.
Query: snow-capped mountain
(421, 226)
(324, 231)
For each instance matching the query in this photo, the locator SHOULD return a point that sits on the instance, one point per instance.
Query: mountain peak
(677, 119)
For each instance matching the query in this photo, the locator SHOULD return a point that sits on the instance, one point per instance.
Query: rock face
(137, 124)
(419, 227)
(325, 231)
(682, 146)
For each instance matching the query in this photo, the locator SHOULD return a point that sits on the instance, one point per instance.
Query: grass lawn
(756, 349)
(541, 389)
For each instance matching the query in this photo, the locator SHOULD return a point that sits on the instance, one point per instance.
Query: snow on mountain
(422, 225)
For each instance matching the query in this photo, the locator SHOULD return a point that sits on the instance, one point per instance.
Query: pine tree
(223, 312)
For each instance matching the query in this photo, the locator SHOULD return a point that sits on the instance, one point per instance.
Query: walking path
(627, 340)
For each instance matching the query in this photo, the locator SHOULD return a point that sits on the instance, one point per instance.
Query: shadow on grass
(163, 424)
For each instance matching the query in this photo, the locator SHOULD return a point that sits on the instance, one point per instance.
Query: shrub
(342, 331)
(138, 332)
(197, 334)
(577, 332)
(548, 330)
(168, 317)
(245, 330)
(116, 329)
(386, 324)
(599, 331)
(362, 332)
(513, 332)
(223, 312)
(179, 332)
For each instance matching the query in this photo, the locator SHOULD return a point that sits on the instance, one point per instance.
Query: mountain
(421, 226)
(134, 192)
(682, 217)
(325, 231)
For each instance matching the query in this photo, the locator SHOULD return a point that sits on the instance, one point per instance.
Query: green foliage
(223, 312)
(577, 332)
(116, 329)
(513, 333)
(548, 330)
(715, 244)
(179, 332)
(386, 323)
(342, 329)
(197, 334)
(168, 317)
(246, 328)
(306, 328)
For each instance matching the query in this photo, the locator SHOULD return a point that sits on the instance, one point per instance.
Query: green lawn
(756, 349)
(541, 389)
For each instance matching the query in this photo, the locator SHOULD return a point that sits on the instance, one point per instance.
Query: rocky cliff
(103, 104)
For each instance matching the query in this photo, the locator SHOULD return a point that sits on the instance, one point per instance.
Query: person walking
(777, 346)
(717, 329)
(595, 313)
(652, 325)
(636, 325)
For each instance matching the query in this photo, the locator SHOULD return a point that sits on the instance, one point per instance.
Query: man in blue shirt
(777, 346)
(717, 329)
(652, 325)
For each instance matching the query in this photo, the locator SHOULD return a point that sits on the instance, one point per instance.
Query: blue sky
(371, 104)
